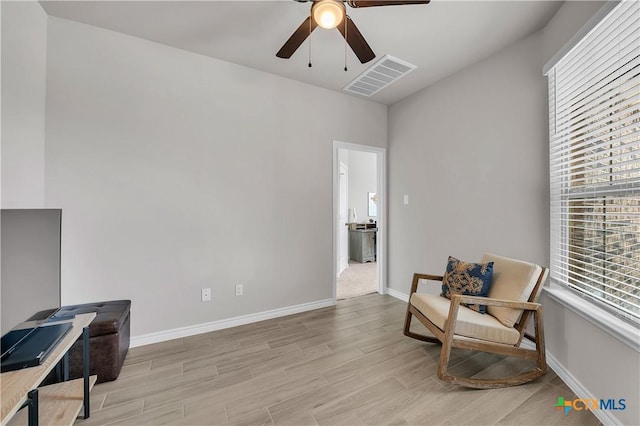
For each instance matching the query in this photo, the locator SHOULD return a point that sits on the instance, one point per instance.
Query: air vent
(378, 76)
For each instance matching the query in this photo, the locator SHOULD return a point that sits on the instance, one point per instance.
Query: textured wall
(471, 154)
(362, 180)
(176, 172)
(24, 68)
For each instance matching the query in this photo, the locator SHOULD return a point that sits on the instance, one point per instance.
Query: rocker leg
(407, 321)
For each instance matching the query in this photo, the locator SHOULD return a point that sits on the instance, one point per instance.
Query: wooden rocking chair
(512, 298)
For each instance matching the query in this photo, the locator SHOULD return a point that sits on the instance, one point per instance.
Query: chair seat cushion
(470, 323)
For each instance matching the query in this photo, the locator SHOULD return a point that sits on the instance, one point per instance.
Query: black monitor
(30, 267)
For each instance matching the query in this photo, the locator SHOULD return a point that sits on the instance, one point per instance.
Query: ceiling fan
(331, 14)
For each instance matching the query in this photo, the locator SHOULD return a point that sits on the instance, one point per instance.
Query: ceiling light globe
(328, 13)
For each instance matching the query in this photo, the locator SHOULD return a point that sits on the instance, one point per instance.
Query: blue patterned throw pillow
(470, 279)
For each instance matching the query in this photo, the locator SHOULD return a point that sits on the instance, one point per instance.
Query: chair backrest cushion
(512, 280)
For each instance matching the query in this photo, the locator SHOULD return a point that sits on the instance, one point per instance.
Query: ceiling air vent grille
(382, 73)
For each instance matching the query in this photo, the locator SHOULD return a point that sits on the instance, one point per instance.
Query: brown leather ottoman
(108, 338)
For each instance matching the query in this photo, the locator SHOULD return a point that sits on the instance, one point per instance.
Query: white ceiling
(441, 37)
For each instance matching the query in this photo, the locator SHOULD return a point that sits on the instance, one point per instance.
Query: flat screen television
(30, 268)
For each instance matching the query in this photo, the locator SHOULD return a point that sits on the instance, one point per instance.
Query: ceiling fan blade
(296, 39)
(373, 3)
(357, 42)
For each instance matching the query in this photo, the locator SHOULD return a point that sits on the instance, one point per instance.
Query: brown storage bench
(108, 338)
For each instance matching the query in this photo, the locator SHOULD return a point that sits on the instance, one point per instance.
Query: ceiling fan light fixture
(328, 13)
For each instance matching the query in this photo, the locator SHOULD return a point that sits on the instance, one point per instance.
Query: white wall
(471, 154)
(24, 60)
(362, 180)
(571, 16)
(176, 172)
(602, 366)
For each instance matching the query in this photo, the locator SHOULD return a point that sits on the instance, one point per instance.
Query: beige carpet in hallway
(357, 280)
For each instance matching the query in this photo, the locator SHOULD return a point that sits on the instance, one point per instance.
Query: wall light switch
(406, 199)
(206, 295)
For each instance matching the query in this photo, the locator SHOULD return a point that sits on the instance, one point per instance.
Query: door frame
(381, 235)
(339, 253)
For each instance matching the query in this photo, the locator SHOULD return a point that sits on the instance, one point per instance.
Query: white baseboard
(606, 417)
(397, 294)
(176, 333)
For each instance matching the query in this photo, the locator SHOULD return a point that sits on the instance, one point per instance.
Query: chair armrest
(529, 306)
(428, 277)
(417, 277)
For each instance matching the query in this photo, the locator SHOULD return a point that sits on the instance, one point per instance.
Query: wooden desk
(354, 226)
(59, 403)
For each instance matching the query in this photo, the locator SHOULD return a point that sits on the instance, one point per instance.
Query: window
(594, 106)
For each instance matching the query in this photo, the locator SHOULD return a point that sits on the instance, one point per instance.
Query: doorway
(359, 190)
(343, 215)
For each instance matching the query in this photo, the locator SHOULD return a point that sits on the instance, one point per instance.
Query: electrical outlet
(239, 290)
(206, 295)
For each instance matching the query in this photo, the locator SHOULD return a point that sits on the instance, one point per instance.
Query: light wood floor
(344, 365)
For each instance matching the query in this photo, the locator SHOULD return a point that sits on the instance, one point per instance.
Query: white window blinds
(594, 105)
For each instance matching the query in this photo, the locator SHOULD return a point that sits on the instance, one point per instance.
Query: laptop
(34, 348)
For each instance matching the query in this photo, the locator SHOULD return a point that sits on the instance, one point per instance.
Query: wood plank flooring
(343, 365)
